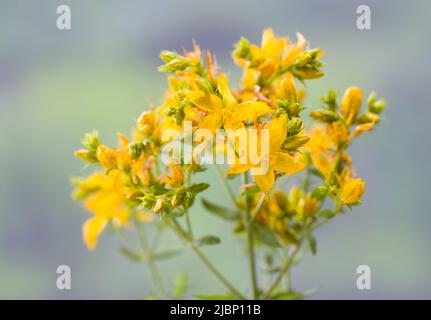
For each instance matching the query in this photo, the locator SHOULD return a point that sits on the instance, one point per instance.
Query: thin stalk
(250, 242)
(258, 207)
(225, 184)
(151, 265)
(183, 235)
(283, 270)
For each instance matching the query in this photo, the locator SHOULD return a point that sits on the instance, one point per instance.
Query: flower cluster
(133, 184)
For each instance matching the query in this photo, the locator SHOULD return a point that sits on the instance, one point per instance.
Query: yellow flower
(146, 122)
(107, 157)
(106, 204)
(351, 103)
(278, 160)
(319, 146)
(352, 191)
(225, 112)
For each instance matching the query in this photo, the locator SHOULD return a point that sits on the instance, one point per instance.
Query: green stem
(225, 184)
(186, 237)
(151, 265)
(283, 270)
(250, 242)
(258, 207)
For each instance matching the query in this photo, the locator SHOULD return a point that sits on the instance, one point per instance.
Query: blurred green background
(57, 85)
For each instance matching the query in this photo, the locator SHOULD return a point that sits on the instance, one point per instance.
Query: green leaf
(250, 191)
(266, 235)
(166, 254)
(222, 212)
(215, 297)
(312, 244)
(180, 286)
(208, 240)
(326, 213)
(199, 187)
(131, 255)
(289, 295)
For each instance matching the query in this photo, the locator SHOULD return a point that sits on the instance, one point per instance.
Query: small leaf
(222, 212)
(215, 297)
(166, 254)
(312, 243)
(266, 235)
(196, 188)
(208, 240)
(289, 295)
(180, 286)
(250, 191)
(326, 213)
(131, 255)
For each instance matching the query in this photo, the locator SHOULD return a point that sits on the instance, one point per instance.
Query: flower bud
(377, 107)
(86, 155)
(294, 126)
(280, 199)
(369, 117)
(310, 206)
(351, 104)
(324, 115)
(294, 142)
(167, 56)
(159, 206)
(146, 122)
(352, 191)
(91, 141)
(242, 49)
(107, 156)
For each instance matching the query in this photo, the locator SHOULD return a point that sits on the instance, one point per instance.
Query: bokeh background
(57, 85)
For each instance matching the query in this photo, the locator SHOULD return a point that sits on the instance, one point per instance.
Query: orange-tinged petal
(284, 162)
(91, 230)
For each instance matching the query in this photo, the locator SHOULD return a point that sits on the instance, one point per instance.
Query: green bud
(242, 49)
(177, 64)
(91, 141)
(86, 155)
(324, 115)
(368, 117)
(167, 56)
(159, 206)
(377, 107)
(294, 142)
(135, 150)
(330, 100)
(320, 192)
(294, 126)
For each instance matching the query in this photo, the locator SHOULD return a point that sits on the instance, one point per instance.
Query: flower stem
(186, 237)
(151, 265)
(225, 184)
(284, 269)
(250, 242)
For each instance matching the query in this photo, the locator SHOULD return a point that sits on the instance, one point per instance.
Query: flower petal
(205, 101)
(265, 182)
(91, 230)
(284, 162)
